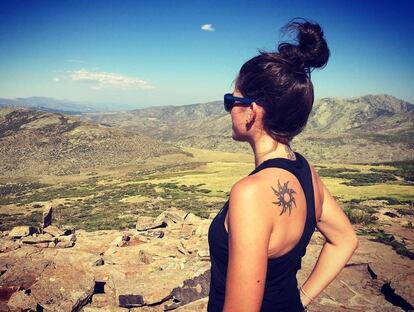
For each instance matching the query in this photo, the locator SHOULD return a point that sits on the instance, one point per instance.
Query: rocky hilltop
(368, 129)
(163, 265)
(40, 143)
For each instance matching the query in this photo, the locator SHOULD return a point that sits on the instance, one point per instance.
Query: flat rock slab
(359, 286)
(54, 292)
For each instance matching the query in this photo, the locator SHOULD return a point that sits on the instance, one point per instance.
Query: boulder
(63, 288)
(22, 231)
(7, 245)
(198, 305)
(53, 230)
(152, 234)
(192, 219)
(202, 228)
(192, 289)
(47, 216)
(171, 216)
(66, 241)
(146, 223)
(40, 238)
(22, 301)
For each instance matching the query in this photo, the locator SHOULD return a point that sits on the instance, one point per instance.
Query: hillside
(368, 129)
(33, 142)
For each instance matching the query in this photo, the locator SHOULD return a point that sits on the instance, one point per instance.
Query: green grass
(404, 169)
(334, 172)
(115, 201)
(359, 216)
(360, 179)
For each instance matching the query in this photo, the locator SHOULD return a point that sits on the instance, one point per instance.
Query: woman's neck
(267, 148)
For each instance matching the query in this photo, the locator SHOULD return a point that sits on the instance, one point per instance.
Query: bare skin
(266, 217)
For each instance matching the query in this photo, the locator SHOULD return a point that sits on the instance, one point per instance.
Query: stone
(212, 215)
(54, 231)
(66, 241)
(134, 289)
(104, 309)
(22, 301)
(99, 262)
(203, 253)
(40, 238)
(198, 305)
(202, 229)
(153, 234)
(22, 231)
(47, 216)
(192, 289)
(391, 214)
(403, 286)
(171, 216)
(130, 301)
(147, 223)
(192, 219)
(7, 245)
(63, 288)
(144, 257)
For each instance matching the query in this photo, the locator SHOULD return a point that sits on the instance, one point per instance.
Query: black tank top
(281, 292)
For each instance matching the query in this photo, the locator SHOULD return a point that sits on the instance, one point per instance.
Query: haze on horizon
(137, 54)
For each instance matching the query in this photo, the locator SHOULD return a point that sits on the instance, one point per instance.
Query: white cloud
(99, 80)
(208, 27)
(75, 61)
(57, 79)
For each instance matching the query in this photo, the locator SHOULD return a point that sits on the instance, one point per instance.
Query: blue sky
(132, 54)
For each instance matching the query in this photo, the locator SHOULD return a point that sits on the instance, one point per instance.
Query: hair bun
(311, 49)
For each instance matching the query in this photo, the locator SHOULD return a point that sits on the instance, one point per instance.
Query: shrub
(358, 216)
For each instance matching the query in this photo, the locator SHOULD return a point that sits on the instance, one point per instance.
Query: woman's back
(289, 192)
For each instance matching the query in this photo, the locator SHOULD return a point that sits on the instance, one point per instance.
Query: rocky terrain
(163, 265)
(368, 129)
(40, 143)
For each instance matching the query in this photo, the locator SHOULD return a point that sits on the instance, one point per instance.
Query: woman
(258, 238)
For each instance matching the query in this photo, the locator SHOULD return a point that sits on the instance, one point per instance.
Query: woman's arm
(341, 243)
(250, 227)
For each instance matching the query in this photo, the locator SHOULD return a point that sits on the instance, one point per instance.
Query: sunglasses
(230, 101)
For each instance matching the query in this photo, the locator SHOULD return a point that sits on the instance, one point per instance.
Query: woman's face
(239, 116)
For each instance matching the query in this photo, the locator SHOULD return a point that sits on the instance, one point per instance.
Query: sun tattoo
(285, 196)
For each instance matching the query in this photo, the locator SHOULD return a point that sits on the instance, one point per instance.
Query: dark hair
(280, 81)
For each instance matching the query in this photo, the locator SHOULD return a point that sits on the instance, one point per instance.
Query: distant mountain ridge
(47, 104)
(40, 143)
(371, 128)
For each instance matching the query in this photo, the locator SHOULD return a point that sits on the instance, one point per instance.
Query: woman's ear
(251, 117)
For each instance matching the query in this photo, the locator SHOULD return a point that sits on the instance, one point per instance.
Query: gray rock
(147, 223)
(63, 288)
(171, 216)
(193, 289)
(53, 230)
(22, 231)
(152, 234)
(130, 301)
(191, 218)
(41, 238)
(66, 241)
(22, 301)
(47, 216)
(198, 305)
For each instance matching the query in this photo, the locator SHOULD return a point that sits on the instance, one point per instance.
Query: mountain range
(41, 143)
(367, 129)
(47, 104)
